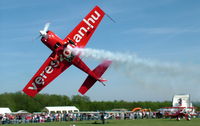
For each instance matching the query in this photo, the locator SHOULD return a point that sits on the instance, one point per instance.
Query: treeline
(20, 101)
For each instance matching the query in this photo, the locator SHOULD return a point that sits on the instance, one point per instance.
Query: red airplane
(63, 57)
(179, 112)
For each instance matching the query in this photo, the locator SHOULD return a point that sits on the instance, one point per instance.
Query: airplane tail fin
(99, 70)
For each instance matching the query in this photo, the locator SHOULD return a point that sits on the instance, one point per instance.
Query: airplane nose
(43, 34)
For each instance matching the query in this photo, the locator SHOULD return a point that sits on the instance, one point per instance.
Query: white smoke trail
(150, 73)
(129, 61)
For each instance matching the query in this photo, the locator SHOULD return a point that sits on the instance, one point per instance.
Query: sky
(154, 45)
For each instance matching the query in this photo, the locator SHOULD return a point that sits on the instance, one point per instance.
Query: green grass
(141, 122)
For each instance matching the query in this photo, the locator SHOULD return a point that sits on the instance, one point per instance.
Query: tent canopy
(136, 109)
(4, 110)
(60, 109)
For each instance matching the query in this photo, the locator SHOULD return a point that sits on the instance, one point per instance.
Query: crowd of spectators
(57, 117)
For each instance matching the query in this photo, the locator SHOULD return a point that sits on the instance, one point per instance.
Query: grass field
(144, 122)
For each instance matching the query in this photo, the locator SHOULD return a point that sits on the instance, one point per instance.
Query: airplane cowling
(52, 40)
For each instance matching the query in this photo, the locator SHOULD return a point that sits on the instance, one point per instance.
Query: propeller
(43, 33)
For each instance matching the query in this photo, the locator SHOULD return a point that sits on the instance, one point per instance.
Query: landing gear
(178, 118)
(71, 42)
(188, 117)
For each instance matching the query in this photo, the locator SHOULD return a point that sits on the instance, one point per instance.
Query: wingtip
(102, 80)
(82, 90)
(107, 62)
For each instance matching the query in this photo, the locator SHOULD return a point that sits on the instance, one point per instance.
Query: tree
(20, 101)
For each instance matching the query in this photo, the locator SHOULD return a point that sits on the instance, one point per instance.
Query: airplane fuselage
(64, 52)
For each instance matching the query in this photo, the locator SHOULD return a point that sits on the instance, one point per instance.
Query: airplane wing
(84, 30)
(47, 73)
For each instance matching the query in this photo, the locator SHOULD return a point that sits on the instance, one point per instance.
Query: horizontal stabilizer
(89, 82)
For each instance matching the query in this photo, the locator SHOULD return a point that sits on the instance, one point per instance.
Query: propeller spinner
(43, 33)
